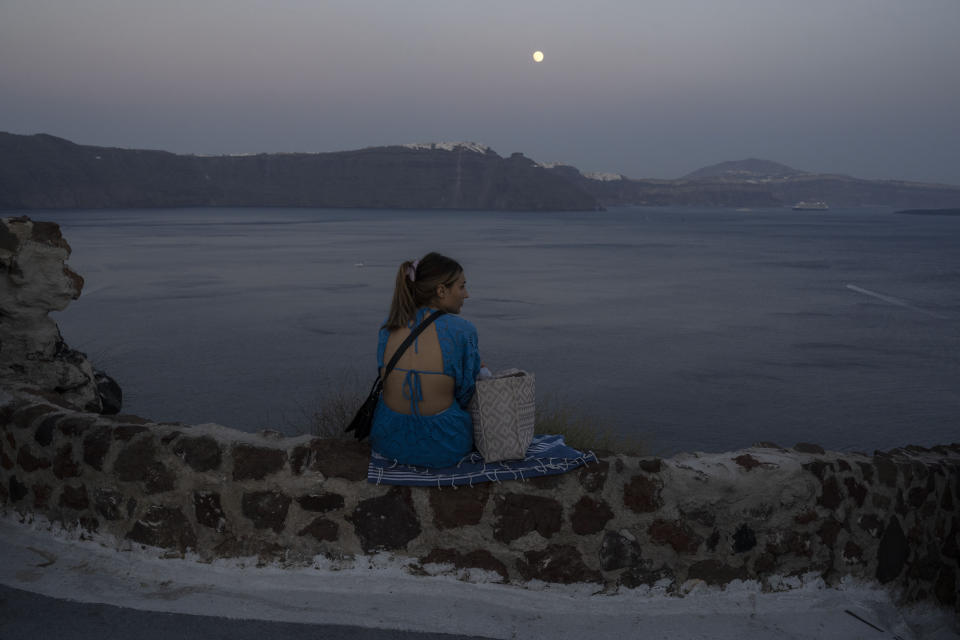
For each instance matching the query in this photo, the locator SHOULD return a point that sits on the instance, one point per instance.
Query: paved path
(31, 616)
(54, 586)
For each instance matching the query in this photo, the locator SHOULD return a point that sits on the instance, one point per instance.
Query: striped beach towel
(547, 455)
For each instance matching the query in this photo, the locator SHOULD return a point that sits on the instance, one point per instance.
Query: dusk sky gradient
(650, 89)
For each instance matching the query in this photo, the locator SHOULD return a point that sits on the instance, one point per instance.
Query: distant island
(45, 172)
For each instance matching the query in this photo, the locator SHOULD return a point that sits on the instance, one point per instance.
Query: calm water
(697, 329)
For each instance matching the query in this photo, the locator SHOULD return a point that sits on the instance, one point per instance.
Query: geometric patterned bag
(503, 415)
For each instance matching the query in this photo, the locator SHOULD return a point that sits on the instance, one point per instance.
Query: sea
(688, 329)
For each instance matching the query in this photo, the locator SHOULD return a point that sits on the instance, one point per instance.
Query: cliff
(45, 172)
(42, 171)
(765, 513)
(760, 183)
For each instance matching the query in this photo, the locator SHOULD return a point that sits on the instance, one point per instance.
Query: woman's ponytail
(403, 307)
(416, 284)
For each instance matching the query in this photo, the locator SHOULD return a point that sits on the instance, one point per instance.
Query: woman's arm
(470, 365)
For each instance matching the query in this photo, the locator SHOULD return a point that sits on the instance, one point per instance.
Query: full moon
(538, 56)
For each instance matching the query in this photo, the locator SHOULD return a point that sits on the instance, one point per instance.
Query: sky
(649, 89)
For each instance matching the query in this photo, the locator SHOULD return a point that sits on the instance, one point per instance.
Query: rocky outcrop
(34, 280)
(42, 171)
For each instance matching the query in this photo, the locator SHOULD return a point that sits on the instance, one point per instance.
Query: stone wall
(763, 513)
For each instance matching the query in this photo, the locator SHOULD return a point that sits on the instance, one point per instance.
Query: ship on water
(811, 205)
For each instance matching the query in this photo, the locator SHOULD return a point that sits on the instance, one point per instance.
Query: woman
(422, 416)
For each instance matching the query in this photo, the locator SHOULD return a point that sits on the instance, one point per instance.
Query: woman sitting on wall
(422, 417)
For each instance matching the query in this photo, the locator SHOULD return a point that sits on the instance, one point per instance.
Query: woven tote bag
(503, 413)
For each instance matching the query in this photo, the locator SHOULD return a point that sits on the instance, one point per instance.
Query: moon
(538, 56)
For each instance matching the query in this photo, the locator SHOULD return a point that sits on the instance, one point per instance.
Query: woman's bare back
(422, 360)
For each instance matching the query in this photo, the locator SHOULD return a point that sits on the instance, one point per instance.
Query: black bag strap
(409, 340)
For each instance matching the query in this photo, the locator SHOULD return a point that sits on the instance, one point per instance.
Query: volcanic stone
(74, 497)
(641, 575)
(829, 531)
(44, 432)
(386, 522)
(886, 471)
(807, 447)
(519, 514)
(713, 540)
(137, 462)
(715, 572)
(321, 502)
(945, 588)
(951, 548)
(917, 496)
(651, 465)
(557, 563)
(18, 490)
(458, 507)
(546, 482)
(126, 432)
(830, 498)
(852, 552)
(333, 458)
(747, 461)
(892, 553)
(706, 517)
(267, 509)
(206, 507)
(617, 552)
(107, 503)
(590, 516)
(201, 454)
(41, 494)
(28, 462)
(165, 527)
(321, 529)
(790, 542)
(818, 468)
(675, 534)
(96, 446)
(74, 425)
(856, 491)
(642, 494)
(593, 477)
(744, 539)
(901, 506)
(476, 559)
(24, 417)
(256, 463)
(64, 465)
(871, 524)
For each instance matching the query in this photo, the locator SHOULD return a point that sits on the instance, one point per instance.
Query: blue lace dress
(442, 439)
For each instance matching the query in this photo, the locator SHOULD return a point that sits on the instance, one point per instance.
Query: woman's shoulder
(457, 321)
(456, 325)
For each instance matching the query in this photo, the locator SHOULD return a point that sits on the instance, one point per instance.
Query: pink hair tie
(412, 270)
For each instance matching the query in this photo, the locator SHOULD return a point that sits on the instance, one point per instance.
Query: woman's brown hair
(416, 285)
